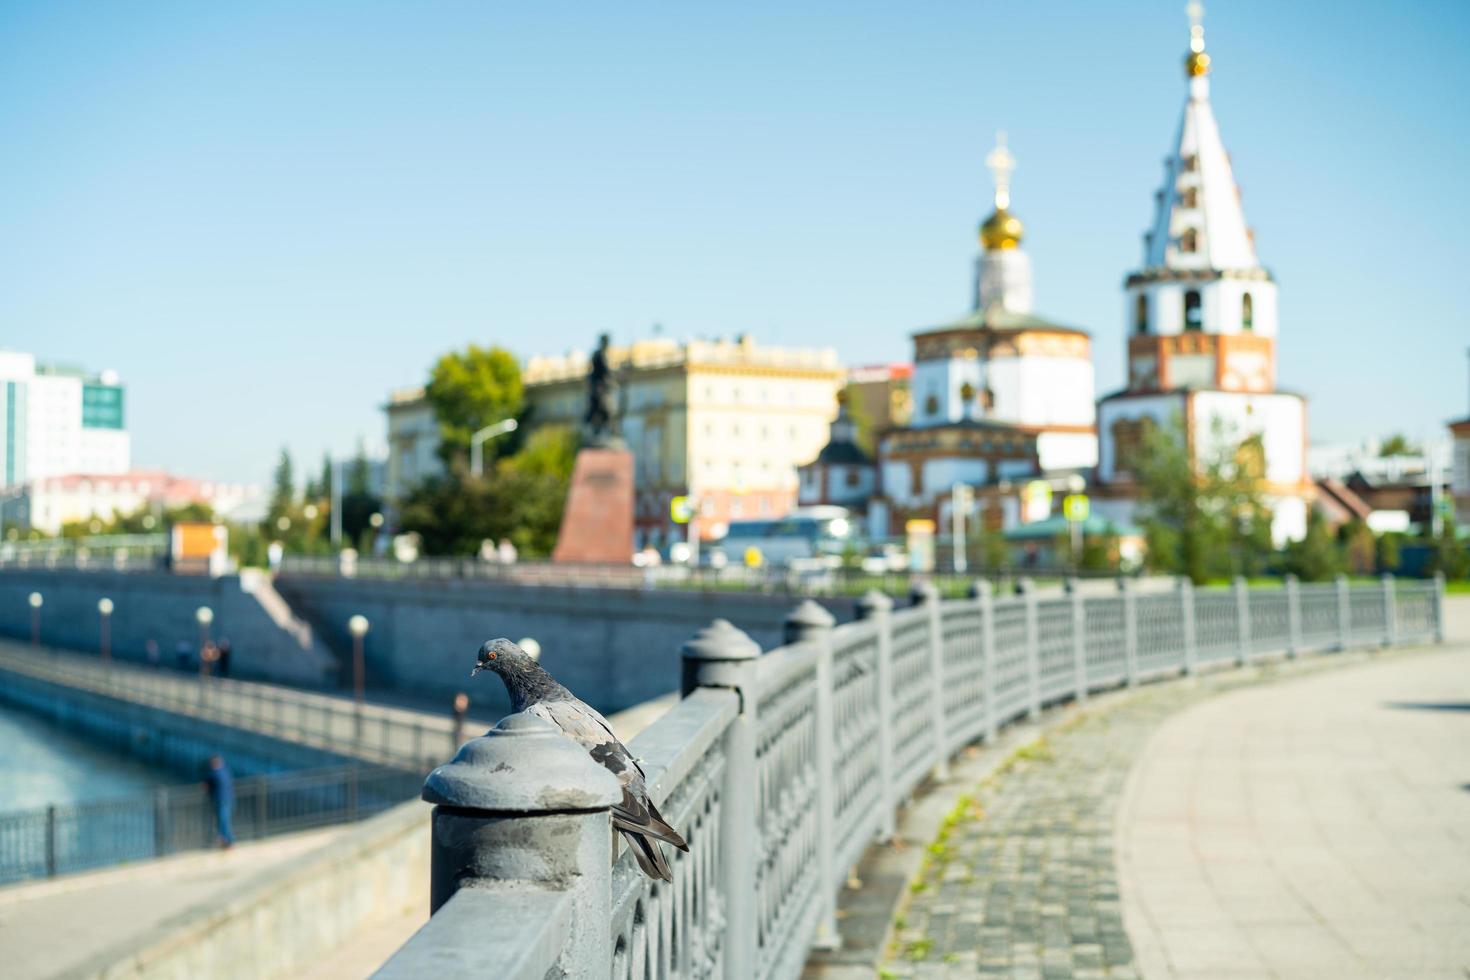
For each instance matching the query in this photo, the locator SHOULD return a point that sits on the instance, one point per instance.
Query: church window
(987, 398)
(1190, 163)
(1247, 312)
(853, 476)
(1189, 197)
(1130, 436)
(1194, 317)
(1189, 241)
(1140, 313)
(931, 405)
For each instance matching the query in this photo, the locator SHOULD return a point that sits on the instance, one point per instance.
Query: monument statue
(598, 424)
(597, 519)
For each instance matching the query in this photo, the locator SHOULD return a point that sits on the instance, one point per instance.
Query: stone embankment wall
(267, 641)
(613, 647)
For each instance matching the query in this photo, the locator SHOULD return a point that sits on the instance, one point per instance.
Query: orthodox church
(1001, 396)
(1202, 327)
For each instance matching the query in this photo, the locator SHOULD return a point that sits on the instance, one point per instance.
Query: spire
(1002, 229)
(1199, 224)
(1196, 63)
(1003, 272)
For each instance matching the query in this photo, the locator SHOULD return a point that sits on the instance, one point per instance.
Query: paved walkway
(1314, 828)
(1024, 880)
(49, 927)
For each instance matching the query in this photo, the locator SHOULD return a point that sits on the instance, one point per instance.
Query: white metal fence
(780, 769)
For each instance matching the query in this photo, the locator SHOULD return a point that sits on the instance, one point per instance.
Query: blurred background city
(339, 338)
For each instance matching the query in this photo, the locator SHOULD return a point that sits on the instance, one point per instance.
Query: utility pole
(336, 502)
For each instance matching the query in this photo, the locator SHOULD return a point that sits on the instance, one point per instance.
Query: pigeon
(534, 690)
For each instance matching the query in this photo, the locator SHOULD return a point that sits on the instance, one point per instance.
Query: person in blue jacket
(220, 783)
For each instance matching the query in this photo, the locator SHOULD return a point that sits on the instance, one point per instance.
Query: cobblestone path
(1021, 881)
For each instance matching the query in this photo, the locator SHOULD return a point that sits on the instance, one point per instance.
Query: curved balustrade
(780, 769)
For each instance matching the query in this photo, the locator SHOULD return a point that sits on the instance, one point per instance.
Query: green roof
(996, 318)
(1056, 526)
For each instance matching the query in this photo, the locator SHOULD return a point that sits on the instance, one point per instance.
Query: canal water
(43, 764)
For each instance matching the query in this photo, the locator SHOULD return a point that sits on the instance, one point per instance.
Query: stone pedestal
(597, 525)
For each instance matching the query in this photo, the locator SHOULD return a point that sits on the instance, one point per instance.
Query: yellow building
(726, 422)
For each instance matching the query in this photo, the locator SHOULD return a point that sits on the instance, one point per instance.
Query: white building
(57, 420)
(1202, 323)
(47, 503)
(413, 444)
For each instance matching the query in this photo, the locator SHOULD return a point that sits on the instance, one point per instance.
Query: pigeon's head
(503, 657)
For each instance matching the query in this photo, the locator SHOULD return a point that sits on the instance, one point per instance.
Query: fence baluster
(160, 821)
(1293, 617)
(1437, 600)
(926, 595)
(987, 642)
(1026, 589)
(1130, 631)
(1242, 622)
(722, 656)
(1390, 612)
(1187, 627)
(878, 607)
(1079, 640)
(51, 841)
(1344, 613)
(811, 623)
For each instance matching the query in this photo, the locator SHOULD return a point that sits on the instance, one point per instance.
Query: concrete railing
(780, 769)
(374, 733)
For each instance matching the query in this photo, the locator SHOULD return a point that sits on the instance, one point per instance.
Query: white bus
(807, 535)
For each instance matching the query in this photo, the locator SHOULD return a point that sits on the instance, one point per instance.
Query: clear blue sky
(264, 215)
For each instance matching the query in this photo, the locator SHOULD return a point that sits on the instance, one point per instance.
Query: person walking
(220, 783)
(224, 657)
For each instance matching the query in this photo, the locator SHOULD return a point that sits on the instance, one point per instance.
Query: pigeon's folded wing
(636, 812)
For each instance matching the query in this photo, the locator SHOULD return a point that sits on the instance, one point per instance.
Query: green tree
(1202, 511)
(1388, 551)
(359, 503)
(469, 390)
(1318, 556)
(283, 487)
(1397, 444)
(1447, 553)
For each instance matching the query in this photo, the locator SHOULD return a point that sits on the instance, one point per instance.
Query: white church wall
(1042, 390)
(898, 483)
(1066, 450)
(1162, 408)
(943, 473)
(1281, 420)
(1288, 519)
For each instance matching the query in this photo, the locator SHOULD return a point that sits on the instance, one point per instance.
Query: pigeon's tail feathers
(649, 855)
(642, 817)
(660, 828)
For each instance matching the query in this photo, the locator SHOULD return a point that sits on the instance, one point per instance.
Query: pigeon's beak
(478, 667)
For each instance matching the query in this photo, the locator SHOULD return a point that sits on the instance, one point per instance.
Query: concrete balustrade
(781, 768)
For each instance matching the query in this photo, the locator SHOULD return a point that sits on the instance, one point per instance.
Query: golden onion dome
(1196, 63)
(1001, 230)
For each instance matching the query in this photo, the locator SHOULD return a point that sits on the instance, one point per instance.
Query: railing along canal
(780, 769)
(377, 734)
(66, 838)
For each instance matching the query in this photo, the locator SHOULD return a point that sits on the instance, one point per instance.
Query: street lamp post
(203, 616)
(104, 609)
(358, 627)
(477, 443)
(35, 601)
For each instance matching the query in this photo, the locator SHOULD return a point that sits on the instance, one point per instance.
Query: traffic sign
(681, 510)
(1076, 507)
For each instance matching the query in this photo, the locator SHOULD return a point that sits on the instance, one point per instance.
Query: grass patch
(918, 950)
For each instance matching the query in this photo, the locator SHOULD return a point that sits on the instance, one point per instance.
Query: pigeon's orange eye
(492, 656)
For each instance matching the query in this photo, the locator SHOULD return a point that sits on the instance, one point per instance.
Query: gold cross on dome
(1001, 165)
(1196, 13)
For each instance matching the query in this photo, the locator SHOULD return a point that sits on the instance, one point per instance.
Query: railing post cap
(523, 765)
(1025, 584)
(721, 640)
(1125, 584)
(978, 587)
(874, 601)
(1238, 581)
(810, 614)
(1291, 578)
(922, 592)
